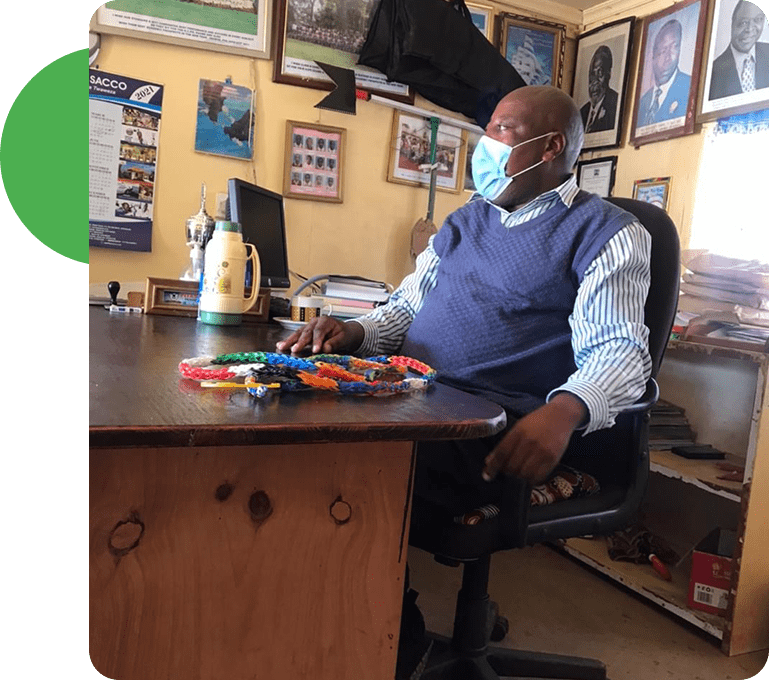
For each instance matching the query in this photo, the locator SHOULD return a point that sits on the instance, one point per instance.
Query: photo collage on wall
(314, 162)
(136, 170)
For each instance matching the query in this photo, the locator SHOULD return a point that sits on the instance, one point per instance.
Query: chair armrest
(647, 399)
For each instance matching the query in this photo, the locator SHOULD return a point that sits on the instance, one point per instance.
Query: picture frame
(210, 27)
(226, 116)
(721, 92)
(472, 141)
(655, 190)
(171, 297)
(314, 162)
(597, 175)
(410, 152)
(299, 43)
(669, 73)
(602, 111)
(483, 18)
(176, 297)
(533, 46)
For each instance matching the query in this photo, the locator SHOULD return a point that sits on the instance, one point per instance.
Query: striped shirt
(609, 338)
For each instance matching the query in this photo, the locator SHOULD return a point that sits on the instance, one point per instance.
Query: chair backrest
(618, 456)
(662, 301)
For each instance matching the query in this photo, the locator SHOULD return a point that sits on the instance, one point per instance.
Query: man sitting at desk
(531, 295)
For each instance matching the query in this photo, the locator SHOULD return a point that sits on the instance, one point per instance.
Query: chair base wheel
(446, 663)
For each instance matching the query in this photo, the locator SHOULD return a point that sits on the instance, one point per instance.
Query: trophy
(200, 228)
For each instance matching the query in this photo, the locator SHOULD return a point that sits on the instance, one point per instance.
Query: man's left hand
(536, 443)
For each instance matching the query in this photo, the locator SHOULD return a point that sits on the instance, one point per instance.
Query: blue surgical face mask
(489, 164)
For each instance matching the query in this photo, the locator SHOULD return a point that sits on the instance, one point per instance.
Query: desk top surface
(138, 397)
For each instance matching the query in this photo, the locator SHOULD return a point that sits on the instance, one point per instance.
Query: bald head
(546, 109)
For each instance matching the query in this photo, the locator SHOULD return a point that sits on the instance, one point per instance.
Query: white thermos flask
(222, 300)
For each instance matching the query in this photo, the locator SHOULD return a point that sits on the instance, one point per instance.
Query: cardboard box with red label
(712, 572)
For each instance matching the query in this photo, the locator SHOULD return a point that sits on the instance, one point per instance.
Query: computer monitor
(260, 215)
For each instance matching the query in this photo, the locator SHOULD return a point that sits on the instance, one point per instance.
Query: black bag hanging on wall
(433, 46)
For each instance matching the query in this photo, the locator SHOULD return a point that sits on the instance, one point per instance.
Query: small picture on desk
(320, 149)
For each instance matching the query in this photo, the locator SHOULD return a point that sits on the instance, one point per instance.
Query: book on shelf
(342, 311)
(365, 305)
(354, 291)
(356, 280)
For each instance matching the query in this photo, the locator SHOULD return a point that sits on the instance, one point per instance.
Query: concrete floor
(559, 606)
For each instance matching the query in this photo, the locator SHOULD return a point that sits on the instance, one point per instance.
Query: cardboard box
(712, 571)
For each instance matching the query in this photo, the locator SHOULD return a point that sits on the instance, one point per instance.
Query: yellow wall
(369, 233)
(676, 158)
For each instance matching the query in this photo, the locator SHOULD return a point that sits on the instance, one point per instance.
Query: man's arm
(385, 328)
(381, 331)
(609, 338)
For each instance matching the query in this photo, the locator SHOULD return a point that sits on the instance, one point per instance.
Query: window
(731, 214)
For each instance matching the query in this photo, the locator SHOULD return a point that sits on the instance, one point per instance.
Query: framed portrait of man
(736, 70)
(668, 73)
(600, 81)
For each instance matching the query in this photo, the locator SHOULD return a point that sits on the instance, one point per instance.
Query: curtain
(731, 212)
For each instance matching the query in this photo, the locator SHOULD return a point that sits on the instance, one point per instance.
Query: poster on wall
(123, 133)
(225, 120)
(231, 26)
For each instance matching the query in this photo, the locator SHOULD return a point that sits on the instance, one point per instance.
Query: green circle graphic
(43, 153)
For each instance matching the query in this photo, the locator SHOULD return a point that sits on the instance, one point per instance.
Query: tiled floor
(557, 605)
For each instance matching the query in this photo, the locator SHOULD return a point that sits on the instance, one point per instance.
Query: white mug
(304, 307)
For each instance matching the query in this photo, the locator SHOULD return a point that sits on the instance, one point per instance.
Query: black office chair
(618, 457)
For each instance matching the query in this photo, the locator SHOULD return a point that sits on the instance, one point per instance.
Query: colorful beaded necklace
(263, 371)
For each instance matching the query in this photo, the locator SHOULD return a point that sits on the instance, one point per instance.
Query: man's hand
(536, 443)
(326, 334)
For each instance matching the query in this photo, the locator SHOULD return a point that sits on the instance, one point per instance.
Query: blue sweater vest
(496, 322)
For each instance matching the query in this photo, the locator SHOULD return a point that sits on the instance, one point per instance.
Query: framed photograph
(600, 81)
(534, 47)
(472, 141)
(175, 297)
(655, 190)
(482, 16)
(410, 153)
(597, 175)
(225, 119)
(313, 167)
(301, 39)
(235, 28)
(669, 73)
(735, 75)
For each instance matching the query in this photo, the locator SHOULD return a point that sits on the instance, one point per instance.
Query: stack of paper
(728, 296)
(347, 297)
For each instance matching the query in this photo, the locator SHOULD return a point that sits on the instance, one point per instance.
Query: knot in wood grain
(125, 535)
(340, 511)
(259, 506)
(223, 492)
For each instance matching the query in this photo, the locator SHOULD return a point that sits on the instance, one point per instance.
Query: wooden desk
(233, 538)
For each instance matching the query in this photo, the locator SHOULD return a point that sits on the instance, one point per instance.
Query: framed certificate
(597, 175)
